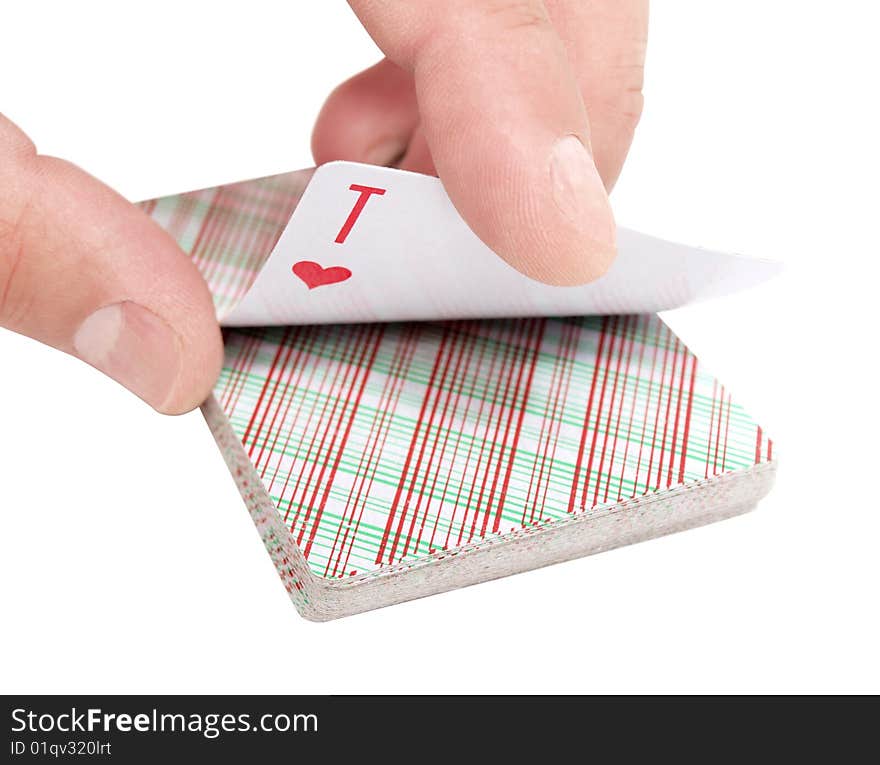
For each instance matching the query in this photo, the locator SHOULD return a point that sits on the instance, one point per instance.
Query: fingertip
(546, 213)
(170, 370)
(198, 372)
(583, 263)
(200, 341)
(579, 194)
(566, 258)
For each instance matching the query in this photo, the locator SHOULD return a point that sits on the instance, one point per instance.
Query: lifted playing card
(387, 461)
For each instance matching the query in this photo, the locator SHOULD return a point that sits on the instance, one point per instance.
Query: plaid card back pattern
(383, 444)
(230, 231)
(380, 444)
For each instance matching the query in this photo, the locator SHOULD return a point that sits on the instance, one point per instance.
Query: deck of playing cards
(394, 436)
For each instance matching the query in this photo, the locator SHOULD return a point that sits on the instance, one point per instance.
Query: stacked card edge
(633, 520)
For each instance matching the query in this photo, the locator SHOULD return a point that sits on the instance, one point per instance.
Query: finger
(506, 126)
(418, 156)
(368, 118)
(606, 44)
(83, 270)
(606, 41)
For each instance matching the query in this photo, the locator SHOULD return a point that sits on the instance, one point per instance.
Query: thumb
(83, 270)
(506, 126)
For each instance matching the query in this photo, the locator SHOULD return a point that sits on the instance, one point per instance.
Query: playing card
(357, 243)
(382, 462)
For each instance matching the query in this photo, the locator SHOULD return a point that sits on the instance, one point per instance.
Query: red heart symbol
(314, 275)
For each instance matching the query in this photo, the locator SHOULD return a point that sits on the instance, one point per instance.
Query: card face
(367, 244)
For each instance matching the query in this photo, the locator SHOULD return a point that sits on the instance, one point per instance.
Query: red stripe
(287, 423)
(412, 446)
(454, 398)
(580, 456)
(481, 437)
(573, 339)
(208, 232)
(354, 367)
(667, 335)
(624, 331)
(270, 380)
(465, 418)
(427, 436)
(509, 365)
(687, 421)
(547, 422)
(679, 397)
(566, 357)
(668, 411)
(391, 380)
(645, 418)
(426, 474)
(467, 345)
(711, 427)
(208, 222)
(718, 432)
(346, 355)
(253, 345)
(539, 336)
(235, 366)
(412, 339)
(632, 409)
(517, 367)
(598, 417)
(626, 372)
(182, 214)
(726, 428)
(367, 369)
(315, 335)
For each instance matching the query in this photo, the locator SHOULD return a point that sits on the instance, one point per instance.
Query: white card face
(372, 244)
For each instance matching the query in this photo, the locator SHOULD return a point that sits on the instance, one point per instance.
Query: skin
(525, 109)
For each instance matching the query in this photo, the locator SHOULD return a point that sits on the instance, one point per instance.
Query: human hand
(85, 271)
(491, 93)
(525, 109)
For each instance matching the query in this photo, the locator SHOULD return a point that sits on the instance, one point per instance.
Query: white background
(127, 559)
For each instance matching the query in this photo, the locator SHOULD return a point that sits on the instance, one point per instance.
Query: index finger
(506, 126)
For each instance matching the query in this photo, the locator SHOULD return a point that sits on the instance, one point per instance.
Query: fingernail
(579, 192)
(133, 346)
(386, 153)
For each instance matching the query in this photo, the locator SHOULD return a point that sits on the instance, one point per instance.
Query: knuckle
(11, 257)
(17, 157)
(629, 108)
(514, 15)
(470, 22)
(623, 101)
(14, 302)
